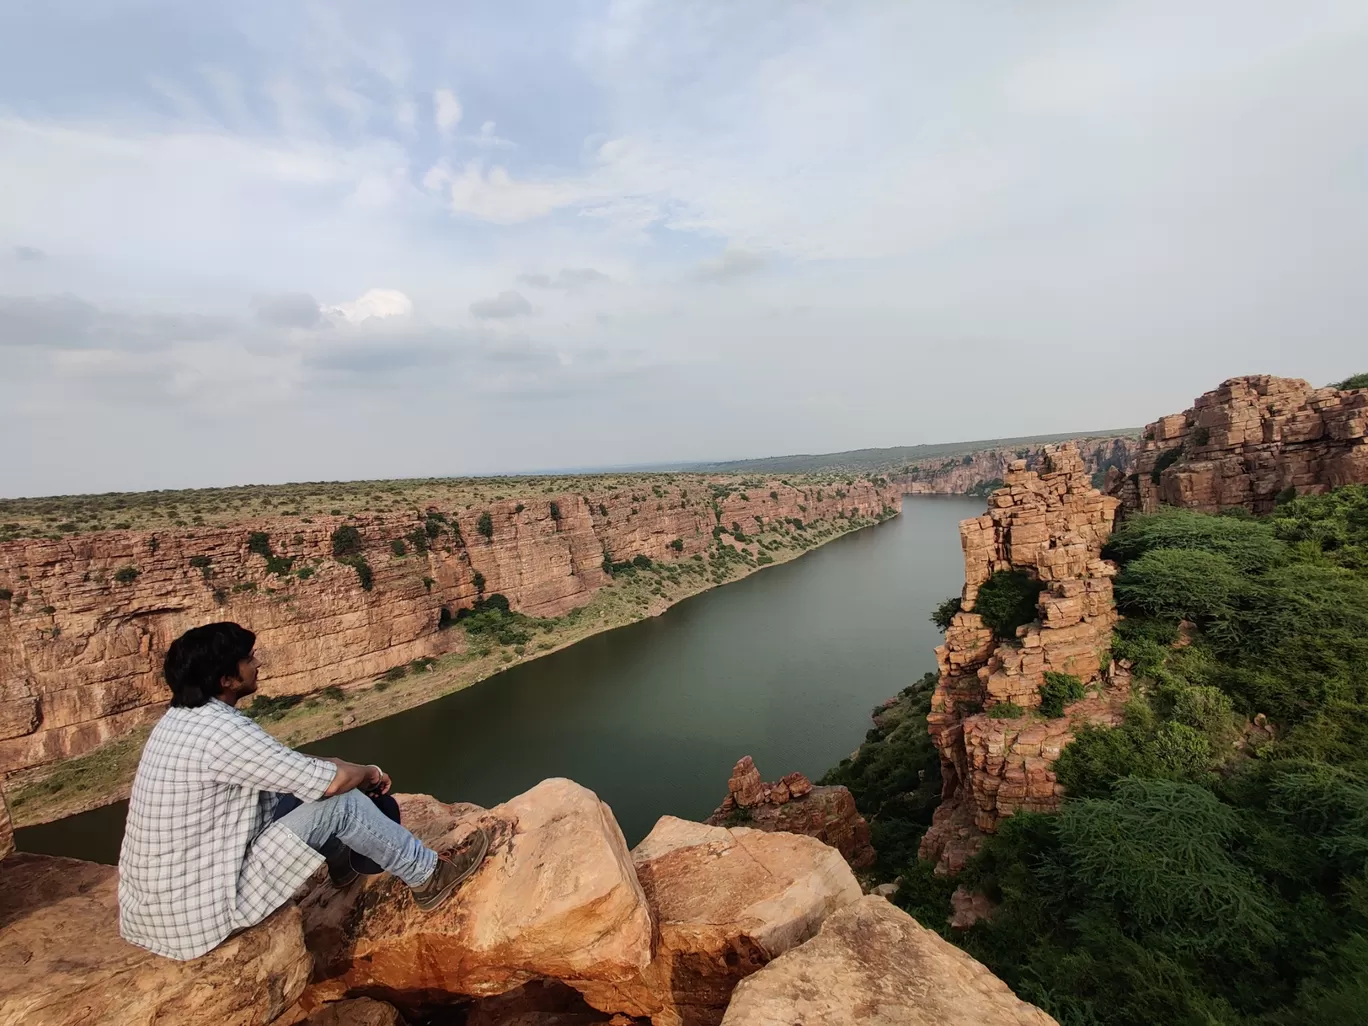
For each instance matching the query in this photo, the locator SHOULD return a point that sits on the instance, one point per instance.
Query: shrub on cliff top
(1007, 600)
(346, 541)
(1353, 381)
(1059, 690)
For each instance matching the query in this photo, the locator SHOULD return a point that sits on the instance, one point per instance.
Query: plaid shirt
(201, 856)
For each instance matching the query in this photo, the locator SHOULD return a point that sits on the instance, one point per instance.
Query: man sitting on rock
(225, 822)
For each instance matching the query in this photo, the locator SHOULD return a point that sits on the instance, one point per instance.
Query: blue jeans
(352, 819)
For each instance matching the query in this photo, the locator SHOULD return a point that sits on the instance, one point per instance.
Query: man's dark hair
(199, 659)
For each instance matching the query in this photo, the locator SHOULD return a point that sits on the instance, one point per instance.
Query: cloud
(67, 322)
(732, 264)
(446, 110)
(567, 278)
(504, 305)
(29, 253)
(287, 309)
(498, 198)
(377, 303)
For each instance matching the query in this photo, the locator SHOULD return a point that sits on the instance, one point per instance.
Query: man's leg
(353, 819)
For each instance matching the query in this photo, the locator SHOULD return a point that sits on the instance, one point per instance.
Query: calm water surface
(784, 665)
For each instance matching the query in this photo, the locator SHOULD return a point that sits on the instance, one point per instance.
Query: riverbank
(635, 593)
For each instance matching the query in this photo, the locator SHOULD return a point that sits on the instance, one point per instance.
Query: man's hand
(351, 775)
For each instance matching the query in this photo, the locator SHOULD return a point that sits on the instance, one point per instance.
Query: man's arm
(352, 775)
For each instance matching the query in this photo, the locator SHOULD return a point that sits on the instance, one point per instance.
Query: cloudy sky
(264, 241)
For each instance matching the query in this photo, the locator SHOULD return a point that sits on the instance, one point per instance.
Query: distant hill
(894, 457)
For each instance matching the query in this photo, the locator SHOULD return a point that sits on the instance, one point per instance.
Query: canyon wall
(980, 472)
(86, 619)
(1247, 443)
(1051, 524)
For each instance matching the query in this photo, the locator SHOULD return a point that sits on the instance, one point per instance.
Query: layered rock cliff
(1247, 443)
(980, 472)
(996, 749)
(561, 924)
(85, 619)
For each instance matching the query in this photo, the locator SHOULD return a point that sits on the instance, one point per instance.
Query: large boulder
(349, 1012)
(874, 965)
(557, 896)
(62, 962)
(726, 901)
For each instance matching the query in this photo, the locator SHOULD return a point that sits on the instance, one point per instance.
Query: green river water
(784, 665)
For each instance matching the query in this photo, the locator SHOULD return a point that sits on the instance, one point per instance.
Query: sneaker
(454, 867)
(340, 870)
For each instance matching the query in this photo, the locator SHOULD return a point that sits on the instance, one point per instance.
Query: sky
(261, 242)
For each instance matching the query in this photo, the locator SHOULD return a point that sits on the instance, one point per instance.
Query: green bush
(485, 525)
(555, 511)
(346, 541)
(1181, 584)
(1059, 690)
(259, 542)
(1006, 711)
(1353, 381)
(126, 574)
(945, 612)
(1007, 600)
(478, 579)
(364, 574)
(398, 547)
(677, 544)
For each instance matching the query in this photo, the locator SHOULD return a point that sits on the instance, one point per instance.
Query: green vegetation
(364, 574)
(346, 541)
(485, 525)
(398, 547)
(126, 574)
(945, 612)
(1006, 601)
(1353, 381)
(1059, 690)
(1210, 864)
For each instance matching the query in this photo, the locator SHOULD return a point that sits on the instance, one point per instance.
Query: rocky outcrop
(793, 805)
(6, 828)
(872, 964)
(1249, 442)
(981, 471)
(557, 896)
(85, 619)
(1050, 524)
(725, 903)
(350, 1012)
(62, 962)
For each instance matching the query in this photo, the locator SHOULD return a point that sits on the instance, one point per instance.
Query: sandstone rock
(1052, 524)
(941, 476)
(874, 965)
(885, 890)
(745, 786)
(97, 675)
(6, 828)
(793, 805)
(1249, 441)
(355, 1012)
(62, 962)
(969, 907)
(725, 902)
(556, 897)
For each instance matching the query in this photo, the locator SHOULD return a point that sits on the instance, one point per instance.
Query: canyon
(84, 618)
(696, 926)
(979, 472)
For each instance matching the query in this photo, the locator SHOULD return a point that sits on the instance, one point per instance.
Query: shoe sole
(481, 850)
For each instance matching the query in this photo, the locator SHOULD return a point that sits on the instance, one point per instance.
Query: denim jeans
(353, 819)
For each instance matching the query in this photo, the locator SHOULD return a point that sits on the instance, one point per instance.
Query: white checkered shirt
(201, 857)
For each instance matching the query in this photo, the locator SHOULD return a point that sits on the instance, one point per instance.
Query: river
(784, 665)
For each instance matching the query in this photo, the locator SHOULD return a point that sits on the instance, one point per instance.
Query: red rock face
(1051, 524)
(951, 475)
(81, 644)
(793, 805)
(1246, 443)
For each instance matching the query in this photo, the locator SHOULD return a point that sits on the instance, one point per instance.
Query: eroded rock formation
(977, 472)
(557, 897)
(725, 902)
(1050, 524)
(793, 805)
(85, 619)
(1248, 442)
(875, 965)
(62, 962)
(559, 927)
